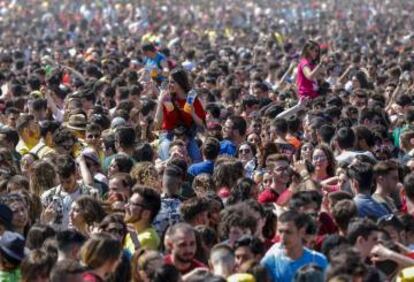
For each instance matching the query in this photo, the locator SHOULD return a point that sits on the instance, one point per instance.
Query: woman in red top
(178, 107)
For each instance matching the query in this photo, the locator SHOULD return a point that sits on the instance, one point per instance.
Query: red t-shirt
(172, 117)
(194, 264)
(267, 196)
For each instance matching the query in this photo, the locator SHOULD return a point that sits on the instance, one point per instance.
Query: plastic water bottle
(191, 96)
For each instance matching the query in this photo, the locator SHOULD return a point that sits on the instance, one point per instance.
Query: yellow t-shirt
(148, 239)
(23, 148)
(406, 275)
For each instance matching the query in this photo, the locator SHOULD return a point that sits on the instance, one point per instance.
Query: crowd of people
(178, 140)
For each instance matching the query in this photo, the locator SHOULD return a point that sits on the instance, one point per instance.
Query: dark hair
(90, 209)
(34, 82)
(331, 242)
(239, 215)
(48, 126)
(149, 47)
(63, 270)
(12, 110)
(100, 119)
(409, 186)
(143, 153)
(345, 137)
(61, 135)
(309, 273)
(37, 235)
(360, 227)
(36, 263)
(213, 109)
(207, 235)
(330, 169)
(113, 218)
(310, 44)
(123, 270)
(382, 168)
(65, 166)
(20, 181)
(337, 196)
(269, 228)
(242, 191)
(66, 239)
(343, 212)
(211, 148)
(173, 170)
(179, 75)
(255, 245)
(123, 162)
(192, 207)
(362, 172)
(93, 127)
(38, 104)
(303, 198)
(23, 122)
(326, 132)
(11, 135)
(166, 273)
(151, 199)
(364, 133)
(125, 136)
(109, 141)
(239, 123)
(346, 262)
(299, 219)
(125, 179)
(403, 100)
(280, 125)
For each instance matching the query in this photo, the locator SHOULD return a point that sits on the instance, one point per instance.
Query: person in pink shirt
(310, 66)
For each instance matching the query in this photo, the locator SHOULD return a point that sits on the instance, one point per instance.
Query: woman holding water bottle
(179, 108)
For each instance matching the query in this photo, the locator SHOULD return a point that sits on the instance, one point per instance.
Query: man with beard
(182, 243)
(140, 211)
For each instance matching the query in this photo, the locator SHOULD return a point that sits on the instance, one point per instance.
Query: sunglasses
(94, 136)
(245, 151)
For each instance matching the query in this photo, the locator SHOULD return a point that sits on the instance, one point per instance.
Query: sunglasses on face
(244, 151)
(92, 136)
(319, 158)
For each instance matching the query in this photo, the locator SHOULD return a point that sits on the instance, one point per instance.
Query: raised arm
(312, 74)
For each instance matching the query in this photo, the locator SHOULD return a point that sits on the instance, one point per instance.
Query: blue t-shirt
(155, 63)
(228, 148)
(368, 207)
(201, 167)
(283, 269)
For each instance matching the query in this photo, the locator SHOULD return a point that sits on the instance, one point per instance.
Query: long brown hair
(100, 249)
(42, 177)
(309, 45)
(330, 169)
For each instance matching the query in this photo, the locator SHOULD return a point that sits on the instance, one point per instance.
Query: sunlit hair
(309, 45)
